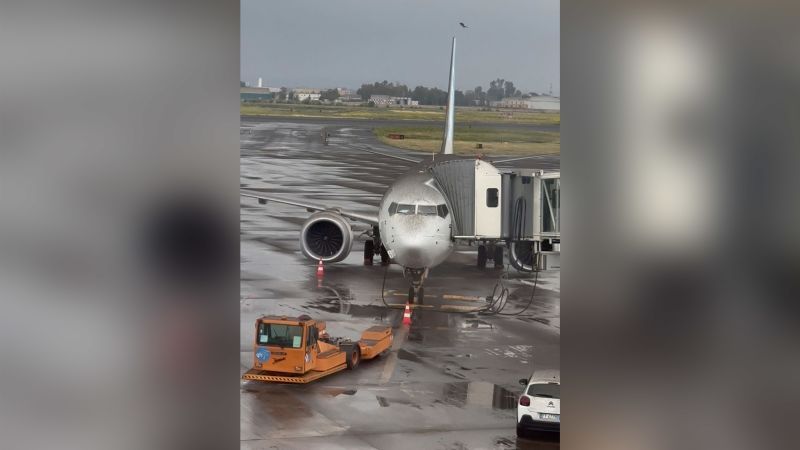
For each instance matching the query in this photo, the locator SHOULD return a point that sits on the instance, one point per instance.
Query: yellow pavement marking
(464, 298)
(458, 308)
(413, 306)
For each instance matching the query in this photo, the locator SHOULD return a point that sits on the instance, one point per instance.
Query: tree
(283, 94)
(383, 88)
(459, 98)
(480, 96)
(330, 95)
(242, 84)
(496, 90)
(509, 89)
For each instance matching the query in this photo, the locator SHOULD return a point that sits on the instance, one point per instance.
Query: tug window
(406, 209)
(492, 199)
(392, 208)
(442, 210)
(426, 210)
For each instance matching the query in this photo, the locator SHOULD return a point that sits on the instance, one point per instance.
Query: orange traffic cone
(320, 270)
(407, 315)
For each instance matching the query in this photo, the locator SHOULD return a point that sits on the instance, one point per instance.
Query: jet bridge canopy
(488, 204)
(474, 189)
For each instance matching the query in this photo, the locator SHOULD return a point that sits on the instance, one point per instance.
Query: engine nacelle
(327, 236)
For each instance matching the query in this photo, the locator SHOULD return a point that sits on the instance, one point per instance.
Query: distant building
(254, 94)
(350, 98)
(387, 100)
(303, 94)
(381, 100)
(539, 103)
(545, 103)
(404, 101)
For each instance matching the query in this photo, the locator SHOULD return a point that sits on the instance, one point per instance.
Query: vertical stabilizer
(447, 139)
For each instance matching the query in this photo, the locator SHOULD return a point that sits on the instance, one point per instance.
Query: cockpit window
(392, 208)
(406, 209)
(442, 211)
(426, 210)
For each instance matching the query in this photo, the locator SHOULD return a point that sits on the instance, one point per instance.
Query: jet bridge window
(406, 209)
(426, 210)
(492, 198)
(442, 210)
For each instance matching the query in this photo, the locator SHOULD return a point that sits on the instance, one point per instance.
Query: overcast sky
(344, 43)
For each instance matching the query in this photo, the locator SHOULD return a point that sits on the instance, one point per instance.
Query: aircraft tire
(369, 252)
(482, 257)
(498, 257)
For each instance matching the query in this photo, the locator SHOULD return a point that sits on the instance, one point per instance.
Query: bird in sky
(462, 25)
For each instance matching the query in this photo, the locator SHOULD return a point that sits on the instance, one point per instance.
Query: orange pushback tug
(289, 350)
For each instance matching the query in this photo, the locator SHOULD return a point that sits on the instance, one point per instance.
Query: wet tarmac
(450, 379)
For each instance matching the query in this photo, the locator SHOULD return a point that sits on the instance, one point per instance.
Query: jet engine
(327, 236)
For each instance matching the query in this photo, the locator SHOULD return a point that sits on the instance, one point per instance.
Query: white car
(539, 406)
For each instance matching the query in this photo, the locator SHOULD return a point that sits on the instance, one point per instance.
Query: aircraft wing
(263, 199)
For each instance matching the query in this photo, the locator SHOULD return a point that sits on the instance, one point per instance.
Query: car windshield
(403, 208)
(426, 210)
(550, 390)
(280, 335)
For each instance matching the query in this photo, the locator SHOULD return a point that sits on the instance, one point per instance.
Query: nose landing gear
(416, 291)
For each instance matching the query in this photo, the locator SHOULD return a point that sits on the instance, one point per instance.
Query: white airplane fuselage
(415, 222)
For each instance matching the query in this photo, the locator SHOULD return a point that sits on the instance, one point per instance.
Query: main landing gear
(374, 247)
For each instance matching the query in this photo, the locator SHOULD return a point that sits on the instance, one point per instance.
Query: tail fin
(447, 139)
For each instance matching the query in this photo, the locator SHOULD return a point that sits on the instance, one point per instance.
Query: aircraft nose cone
(417, 252)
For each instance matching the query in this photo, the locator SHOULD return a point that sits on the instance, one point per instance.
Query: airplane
(414, 226)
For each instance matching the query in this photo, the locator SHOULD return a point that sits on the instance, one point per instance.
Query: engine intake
(327, 236)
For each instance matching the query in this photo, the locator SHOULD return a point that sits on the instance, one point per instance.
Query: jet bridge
(520, 208)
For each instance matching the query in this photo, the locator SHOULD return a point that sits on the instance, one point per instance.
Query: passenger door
(488, 217)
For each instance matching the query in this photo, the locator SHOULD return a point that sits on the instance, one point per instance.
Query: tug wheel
(353, 356)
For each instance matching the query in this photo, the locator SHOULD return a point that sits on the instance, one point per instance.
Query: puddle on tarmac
(338, 300)
(408, 356)
(479, 393)
(336, 391)
(477, 324)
